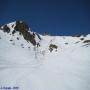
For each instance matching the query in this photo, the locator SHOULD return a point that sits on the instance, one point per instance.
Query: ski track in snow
(68, 72)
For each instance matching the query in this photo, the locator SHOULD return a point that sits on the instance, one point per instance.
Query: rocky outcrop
(6, 29)
(24, 30)
(52, 46)
(86, 41)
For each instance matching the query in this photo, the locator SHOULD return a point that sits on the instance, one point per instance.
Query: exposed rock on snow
(26, 62)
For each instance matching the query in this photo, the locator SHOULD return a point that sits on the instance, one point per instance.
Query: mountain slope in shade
(32, 61)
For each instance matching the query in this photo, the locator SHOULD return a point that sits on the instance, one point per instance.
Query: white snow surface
(34, 68)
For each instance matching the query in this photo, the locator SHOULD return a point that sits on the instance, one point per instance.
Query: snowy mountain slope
(53, 63)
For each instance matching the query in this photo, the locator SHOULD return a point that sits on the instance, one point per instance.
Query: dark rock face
(78, 35)
(23, 29)
(81, 38)
(86, 41)
(22, 25)
(14, 31)
(38, 36)
(6, 29)
(52, 46)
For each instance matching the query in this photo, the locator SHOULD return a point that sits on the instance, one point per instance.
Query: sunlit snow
(36, 68)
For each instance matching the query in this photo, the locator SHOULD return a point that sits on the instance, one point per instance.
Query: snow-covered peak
(11, 25)
(30, 61)
(18, 32)
(20, 28)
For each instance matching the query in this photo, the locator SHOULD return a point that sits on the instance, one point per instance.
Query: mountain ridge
(53, 63)
(22, 28)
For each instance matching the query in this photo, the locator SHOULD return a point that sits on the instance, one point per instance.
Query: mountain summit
(32, 61)
(21, 28)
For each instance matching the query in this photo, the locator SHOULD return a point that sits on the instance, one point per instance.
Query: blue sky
(58, 17)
